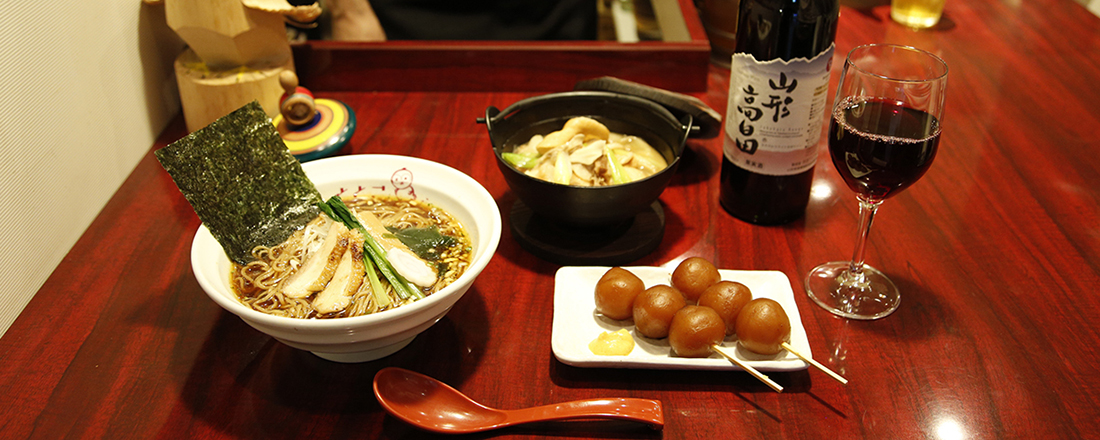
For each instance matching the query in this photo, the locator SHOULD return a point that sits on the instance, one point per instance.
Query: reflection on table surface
(996, 251)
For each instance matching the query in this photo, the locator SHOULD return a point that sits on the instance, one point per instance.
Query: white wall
(88, 86)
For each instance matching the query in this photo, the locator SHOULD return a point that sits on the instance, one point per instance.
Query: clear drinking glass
(884, 133)
(920, 14)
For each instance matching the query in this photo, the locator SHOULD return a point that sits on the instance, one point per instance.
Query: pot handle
(490, 115)
(690, 129)
(708, 122)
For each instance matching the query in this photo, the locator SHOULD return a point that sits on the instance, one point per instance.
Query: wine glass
(884, 133)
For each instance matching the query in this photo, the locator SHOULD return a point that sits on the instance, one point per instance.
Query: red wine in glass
(881, 147)
(884, 133)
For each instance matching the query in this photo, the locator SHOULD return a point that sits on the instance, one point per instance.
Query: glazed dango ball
(694, 330)
(727, 298)
(654, 309)
(615, 293)
(762, 326)
(693, 275)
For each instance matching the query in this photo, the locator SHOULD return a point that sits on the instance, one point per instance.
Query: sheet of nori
(242, 181)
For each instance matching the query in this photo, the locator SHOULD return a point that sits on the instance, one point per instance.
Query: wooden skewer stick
(756, 373)
(838, 377)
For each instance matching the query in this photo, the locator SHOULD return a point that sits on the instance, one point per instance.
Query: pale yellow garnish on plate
(618, 343)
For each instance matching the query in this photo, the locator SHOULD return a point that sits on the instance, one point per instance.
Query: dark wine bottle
(779, 81)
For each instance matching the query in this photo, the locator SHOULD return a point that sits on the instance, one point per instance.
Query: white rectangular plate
(576, 323)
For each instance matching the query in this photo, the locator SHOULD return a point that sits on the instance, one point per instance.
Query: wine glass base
(871, 296)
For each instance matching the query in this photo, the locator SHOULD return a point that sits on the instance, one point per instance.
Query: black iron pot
(587, 207)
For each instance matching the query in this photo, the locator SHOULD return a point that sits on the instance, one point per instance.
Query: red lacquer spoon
(434, 406)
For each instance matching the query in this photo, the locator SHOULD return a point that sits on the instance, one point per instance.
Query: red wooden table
(996, 250)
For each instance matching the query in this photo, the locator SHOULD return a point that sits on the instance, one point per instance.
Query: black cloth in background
(487, 19)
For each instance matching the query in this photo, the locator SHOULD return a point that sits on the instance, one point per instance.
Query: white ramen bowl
(374, 336)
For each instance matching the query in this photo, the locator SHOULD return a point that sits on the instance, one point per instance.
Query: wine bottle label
(776, 112)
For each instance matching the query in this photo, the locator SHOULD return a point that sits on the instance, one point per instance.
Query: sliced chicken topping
(348, 276)
(318, 267)
(408, 265)
(411, 267)
(378, 231)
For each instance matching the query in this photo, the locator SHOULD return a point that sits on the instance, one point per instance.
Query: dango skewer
(727, 298)
(695, 331)
(763, 327)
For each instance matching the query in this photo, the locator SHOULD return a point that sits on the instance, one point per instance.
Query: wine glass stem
(867, 210)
